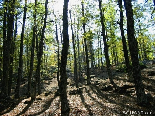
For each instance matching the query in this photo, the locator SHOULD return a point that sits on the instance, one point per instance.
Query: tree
(20, 68)
(75, 60)
(133, 47)
(85, 43)
(106, 46)
(5, 55)
(40, 51)
(63, 79)
(125, 50)
(8, 27)
(32, 51)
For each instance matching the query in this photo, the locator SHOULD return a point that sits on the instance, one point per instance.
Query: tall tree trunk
(20, 68)
(10, 42)
(106, 47)
(78, 47)
(58, 54)
(32, 52)
(85, 43)
(63, 78)
(98, 50)
(5, 54)
(75, 60)
(133, 47)
(125, 50)
(40, 53)
(58, 59)
(101, 55)
(8, 23)
(14, 46)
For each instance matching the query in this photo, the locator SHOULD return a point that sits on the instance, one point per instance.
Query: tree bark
(106, 47)
(4, 90)
(75, 60)
(63, 78)
(125, 50)
(20, 68)
(32, 52)
(40, 52)
(10, 29)
(78, 47)
(85, 43)
(133, 47)
(58, 59)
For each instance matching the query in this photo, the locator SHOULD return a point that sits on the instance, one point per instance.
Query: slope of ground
(97, 99)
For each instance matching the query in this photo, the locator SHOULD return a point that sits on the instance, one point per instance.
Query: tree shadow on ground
(8, 104)
(46, 106)
(148, 80)
(123, 103)
(26, 108)
(99, 103)
(85, 104)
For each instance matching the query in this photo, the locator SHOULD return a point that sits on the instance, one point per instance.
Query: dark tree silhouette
(133, 47)
(106, 46)
(32, 51)
(85, 43)
(63, 78)
(20, 68)
(125, 50)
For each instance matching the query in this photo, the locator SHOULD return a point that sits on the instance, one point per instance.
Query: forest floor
(97, 99)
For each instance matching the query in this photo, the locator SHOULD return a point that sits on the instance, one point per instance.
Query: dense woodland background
(52, 50)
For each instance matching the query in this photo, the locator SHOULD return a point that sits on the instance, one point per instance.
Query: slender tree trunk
(133, 47)
(58, 54)
(91, 54)
(101, 55)
(10, 42)
(20, 68)
(75, 60)
(5, 54)
(14, 46)
(27, 55)
(125, 50)
(40, 53)
(32, 52)
(98, 50)
(63, 78)
(86, 49)
(106, 47)
(78, 47)
(61, 34)
(58, 59)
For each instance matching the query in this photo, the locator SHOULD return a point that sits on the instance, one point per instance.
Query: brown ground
(98, 99)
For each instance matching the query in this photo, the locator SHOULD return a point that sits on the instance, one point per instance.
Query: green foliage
(121, 68)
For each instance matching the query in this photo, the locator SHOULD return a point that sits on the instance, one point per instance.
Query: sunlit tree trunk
(101, 54)
(63, 78)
